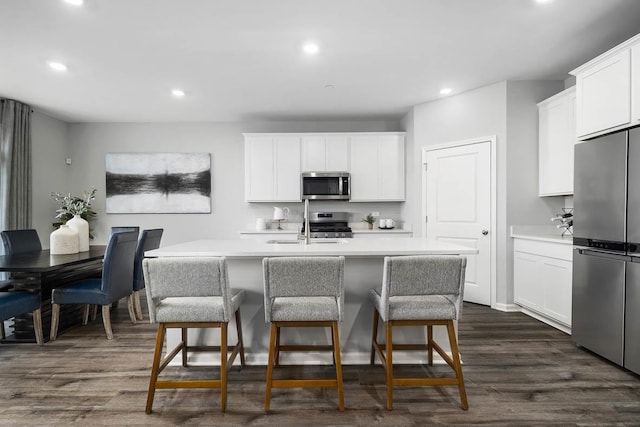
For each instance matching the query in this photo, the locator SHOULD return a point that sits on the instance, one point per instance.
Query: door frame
(493, 202)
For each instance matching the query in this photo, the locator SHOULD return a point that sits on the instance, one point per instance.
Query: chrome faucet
(307, 233)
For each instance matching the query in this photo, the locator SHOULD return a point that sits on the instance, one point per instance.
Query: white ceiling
(241, 60)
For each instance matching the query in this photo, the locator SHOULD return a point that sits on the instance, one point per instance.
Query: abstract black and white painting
(158, 182)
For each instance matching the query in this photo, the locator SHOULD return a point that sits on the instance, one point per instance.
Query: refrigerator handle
(591, 252)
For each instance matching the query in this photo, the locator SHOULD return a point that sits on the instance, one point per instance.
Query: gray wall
(89, 142)
(49, 138)
(508, 111)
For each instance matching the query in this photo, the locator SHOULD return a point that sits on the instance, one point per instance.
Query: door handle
(485, 232)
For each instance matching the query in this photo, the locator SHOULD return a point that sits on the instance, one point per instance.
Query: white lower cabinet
(542, 274)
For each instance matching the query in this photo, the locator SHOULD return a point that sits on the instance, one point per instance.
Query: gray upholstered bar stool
(186, 292)
(419, 291)
(303, 292)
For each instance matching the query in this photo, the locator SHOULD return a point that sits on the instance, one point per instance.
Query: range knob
(326, 234)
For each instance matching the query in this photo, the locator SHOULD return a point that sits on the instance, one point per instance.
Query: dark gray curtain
(15, 165)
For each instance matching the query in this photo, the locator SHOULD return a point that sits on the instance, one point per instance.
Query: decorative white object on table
(64, 241)
(82, 227)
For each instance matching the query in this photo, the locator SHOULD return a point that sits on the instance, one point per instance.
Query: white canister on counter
(261, 224)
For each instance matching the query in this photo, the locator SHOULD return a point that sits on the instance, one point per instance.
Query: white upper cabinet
(604, 90)
(274, 162)
(325, 153)
(377, 167)
(635, 87)
(556, 138)
(272, 168)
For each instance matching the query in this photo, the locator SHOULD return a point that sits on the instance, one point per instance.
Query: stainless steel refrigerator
(606, 262)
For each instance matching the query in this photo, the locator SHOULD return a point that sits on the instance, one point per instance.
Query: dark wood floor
(518, 371)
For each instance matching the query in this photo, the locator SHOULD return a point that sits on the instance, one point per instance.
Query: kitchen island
(363, 271)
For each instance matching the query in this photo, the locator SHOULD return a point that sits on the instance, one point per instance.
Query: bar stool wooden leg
(155, 367)
(223, 367)
(240, 340)
(430, 343)
(455, 353)
(374, 336)
(389, 354)
(338, 364)
(277, 349)
(272, 344)
(184, 346)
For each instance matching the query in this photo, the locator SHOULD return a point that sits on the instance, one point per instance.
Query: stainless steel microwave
(326, 186)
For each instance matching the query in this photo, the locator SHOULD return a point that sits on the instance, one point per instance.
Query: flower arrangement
(71, 205)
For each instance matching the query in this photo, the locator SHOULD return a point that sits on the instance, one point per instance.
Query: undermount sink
(311, 242)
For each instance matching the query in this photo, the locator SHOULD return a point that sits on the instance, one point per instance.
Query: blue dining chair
(149, 239)
(116, 283)
(18, 242)
(14, 304)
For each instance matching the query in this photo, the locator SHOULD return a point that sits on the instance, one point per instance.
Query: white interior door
(458, 208)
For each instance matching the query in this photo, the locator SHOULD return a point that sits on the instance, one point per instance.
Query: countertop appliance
(606, 238)
(325, 186)
(329, 225)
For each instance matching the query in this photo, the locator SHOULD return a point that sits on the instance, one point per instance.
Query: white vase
(64, 241)
(82, 227)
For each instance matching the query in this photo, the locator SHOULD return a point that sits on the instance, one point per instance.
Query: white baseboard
(509, 308)
(564, 328)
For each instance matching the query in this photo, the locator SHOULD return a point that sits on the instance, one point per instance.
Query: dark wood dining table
(41, 272)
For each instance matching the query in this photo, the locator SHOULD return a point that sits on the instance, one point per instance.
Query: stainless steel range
(329, 225)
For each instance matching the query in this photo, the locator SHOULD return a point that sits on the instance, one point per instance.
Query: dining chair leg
(374, 335)
(272, 344)
(240, 340)
(389, 357)
(85, 314)
(155, 367)
(106, 320)
(130, 307)
(37, 326)
(94, 312)
(338, 363)
(2, 336)
(223, 366)
(55, 314)
(137, 305)
(457, 366)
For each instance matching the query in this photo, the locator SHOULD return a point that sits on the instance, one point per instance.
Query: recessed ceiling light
(58, 66)
(310, 48)
(328, 86)
(75, 2)
(445, 91)
(178, 93)
(543, 1)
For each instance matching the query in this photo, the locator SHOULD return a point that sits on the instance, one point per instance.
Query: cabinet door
(527, 288)
(287, 169)
(635, 84)
(259, 162)
(323, 154)
(364, 168)
(313, 154)
(391, 167)
(556, 138)
(604, 95)
(555, 277)
(337, 153)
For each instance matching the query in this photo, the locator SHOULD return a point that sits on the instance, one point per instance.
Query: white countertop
(247, 248)
(375, 230)
(541, 233)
